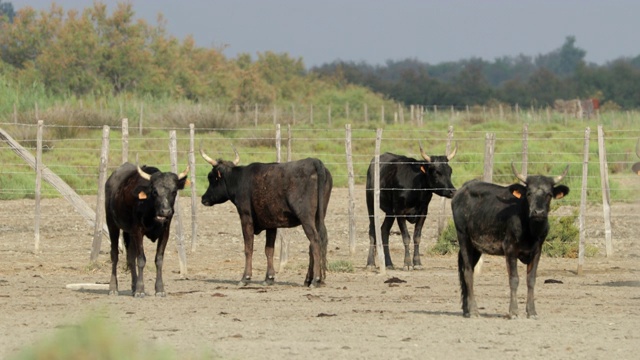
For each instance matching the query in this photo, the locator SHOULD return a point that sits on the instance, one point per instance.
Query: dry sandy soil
(356, 315)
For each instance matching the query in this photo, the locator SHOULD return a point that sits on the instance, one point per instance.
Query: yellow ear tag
(516, 193)
(142, 195)
(219, 174)
(187, 183)
(422, 169)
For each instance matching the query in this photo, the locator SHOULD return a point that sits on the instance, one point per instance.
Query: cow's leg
(417, 235)
(137, 243)
(132, 252)
(371, 259)
(512, 270)
(385, 229)
(268, 250)
(114, 233)
(406, 241)
(467, 258)
(162, 245)
(313, 278)
(532, 268)
(247, 233)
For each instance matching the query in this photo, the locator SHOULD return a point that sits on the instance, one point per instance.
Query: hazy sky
(374, 31)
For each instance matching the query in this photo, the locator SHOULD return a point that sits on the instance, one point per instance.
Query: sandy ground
(356, 315)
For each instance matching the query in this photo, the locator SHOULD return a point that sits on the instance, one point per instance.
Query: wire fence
(76, 159)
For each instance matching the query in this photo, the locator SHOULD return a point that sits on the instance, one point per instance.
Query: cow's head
(217, 191)
(538, 191)
(438, 172)
(161, 190)
(636, 166)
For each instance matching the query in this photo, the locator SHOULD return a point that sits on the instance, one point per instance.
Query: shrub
(447, 242)
(344, 266)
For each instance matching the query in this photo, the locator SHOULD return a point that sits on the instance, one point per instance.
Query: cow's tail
(323, 177)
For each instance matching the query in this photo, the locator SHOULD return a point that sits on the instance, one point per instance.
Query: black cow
(272, 196)
(636, 166)
(503, 220)
(139, 201)
(406, 188)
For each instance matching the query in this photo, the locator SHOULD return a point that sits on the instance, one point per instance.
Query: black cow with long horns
(139, 201)
(272, 196)
(406, 188)
(511, 221)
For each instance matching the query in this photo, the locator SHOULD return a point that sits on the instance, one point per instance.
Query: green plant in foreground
(95, 338)
(344, 266)
(447, 242)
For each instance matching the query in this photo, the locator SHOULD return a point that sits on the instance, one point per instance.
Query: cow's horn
(559, 178)
(207, 158)
(183, 174)
(424, 156)
(143, 174)
(453, 153)
(638, 148)
(236, 161)
(517, 174)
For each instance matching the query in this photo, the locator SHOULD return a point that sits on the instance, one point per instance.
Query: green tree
(6, 11)
(563, 61)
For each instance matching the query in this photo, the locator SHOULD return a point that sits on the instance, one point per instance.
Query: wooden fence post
(140, 122)
(443, 200)
(255, 115)
(173, 155)
(192, 174)
(102, 178)
(125, 140)
(284, 243)
(606, 197)
(583, 201)
(525, 150)
(351, 185)
(376, 204)
(489, 142)
(38, 185)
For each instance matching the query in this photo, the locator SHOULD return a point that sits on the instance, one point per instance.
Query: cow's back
(281, 194)
(486, 213)
(401, 186)
(120, 199)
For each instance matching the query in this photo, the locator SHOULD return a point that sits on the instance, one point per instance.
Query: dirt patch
(356, 315)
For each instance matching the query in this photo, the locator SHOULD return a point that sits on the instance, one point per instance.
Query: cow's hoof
(269, 281)
(532, 316)
(390, 267)
(371, 267)
(113, 292)
(161, 294)
(417, 267)
(244, 282)
(512, 316)
(139, 294)
(407, 268)
(471, 315)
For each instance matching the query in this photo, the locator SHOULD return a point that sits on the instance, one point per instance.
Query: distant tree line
(97, 53)
(100, 53)
(560, 74)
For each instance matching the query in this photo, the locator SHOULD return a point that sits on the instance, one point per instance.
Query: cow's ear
(183, 182)
(423, 169)
(560, 191)
(140, 192)
(517, 190)
(636, 168)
